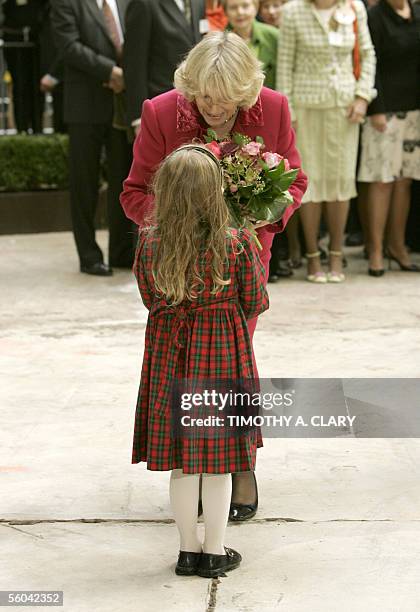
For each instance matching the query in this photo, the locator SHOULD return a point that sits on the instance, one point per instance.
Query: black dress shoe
(244, 512)
(376, 273)
(283, 270)
(97, 269)
(187, 563)
(211, 566)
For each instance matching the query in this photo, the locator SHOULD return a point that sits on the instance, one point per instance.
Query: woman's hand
(379, 122)
(357, 110)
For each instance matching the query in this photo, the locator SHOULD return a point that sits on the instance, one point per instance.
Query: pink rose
(252, 148)
(272, 159)
(214, 148)
(286, 164)
(233, 188)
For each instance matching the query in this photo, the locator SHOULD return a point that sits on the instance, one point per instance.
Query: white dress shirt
(181, 5)
(113, 6)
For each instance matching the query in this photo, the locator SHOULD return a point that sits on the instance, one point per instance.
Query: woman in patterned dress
(219, 85)
(200, 281)
(391, 136)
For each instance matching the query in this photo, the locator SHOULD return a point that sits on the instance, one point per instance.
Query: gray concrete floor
(339, 522)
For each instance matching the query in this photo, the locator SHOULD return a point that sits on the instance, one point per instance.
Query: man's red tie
(112, 28)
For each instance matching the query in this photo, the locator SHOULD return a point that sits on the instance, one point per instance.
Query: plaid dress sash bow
(183, 316)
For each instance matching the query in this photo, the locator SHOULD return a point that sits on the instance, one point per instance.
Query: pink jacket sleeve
(146, 291)
(148, 152)
(287, 148)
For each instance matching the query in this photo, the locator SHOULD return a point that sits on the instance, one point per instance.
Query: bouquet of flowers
(257, 181)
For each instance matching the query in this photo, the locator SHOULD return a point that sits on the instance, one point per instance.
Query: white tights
(216, 493)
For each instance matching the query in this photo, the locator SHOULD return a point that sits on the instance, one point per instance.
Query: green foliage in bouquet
(257, 181)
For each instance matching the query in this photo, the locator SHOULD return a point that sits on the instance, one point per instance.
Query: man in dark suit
(158, 34)
(51, 72)
(22, 22)
(89, 35)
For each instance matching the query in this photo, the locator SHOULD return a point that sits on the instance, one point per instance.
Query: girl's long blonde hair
(192, 218)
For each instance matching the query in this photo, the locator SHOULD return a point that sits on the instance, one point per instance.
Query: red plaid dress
(204, 338)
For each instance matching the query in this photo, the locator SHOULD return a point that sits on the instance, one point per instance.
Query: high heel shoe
(376, 273)
(244, 512)
(411, 268)
(318, 277)
(333, 276)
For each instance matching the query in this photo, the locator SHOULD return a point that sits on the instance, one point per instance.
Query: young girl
(200, 281)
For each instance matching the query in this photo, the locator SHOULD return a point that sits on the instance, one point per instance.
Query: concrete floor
(338, 528)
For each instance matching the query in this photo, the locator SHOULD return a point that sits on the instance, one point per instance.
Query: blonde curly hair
(222, 66)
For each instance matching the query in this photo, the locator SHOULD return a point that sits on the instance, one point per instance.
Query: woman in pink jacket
(219, 85)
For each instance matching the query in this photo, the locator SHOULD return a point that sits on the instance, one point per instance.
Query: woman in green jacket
(261, 38)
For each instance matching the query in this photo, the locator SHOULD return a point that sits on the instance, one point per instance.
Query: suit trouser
(28, 101)
(58, 101)
(86, 141)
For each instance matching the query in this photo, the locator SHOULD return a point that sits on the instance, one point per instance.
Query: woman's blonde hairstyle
(192, 219)
(221, 65)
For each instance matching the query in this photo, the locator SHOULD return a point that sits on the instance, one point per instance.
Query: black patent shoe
(211, 566)
(244, 512)
(404, 267)
(187, 563)
(97, 269)
(376, 273)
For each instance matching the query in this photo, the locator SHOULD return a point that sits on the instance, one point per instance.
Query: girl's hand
(379, 122)
(357, 110)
